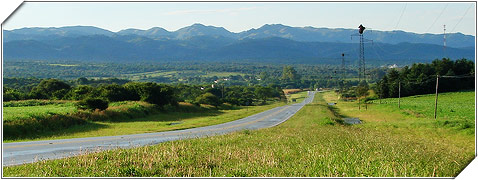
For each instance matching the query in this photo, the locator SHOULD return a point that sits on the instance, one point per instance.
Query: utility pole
(436, 98)
(399, 94)
(343, 67)
(359, 102)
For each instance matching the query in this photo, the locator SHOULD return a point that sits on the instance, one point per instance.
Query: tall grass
(308, 144)
(29, 122)
(33, 102)
(127, 117)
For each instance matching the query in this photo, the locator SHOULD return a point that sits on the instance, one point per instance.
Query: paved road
(28, 152)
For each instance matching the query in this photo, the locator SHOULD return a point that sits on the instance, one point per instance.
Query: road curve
(28, 152)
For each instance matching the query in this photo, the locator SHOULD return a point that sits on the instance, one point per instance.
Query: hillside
(302, 34)
(269, 43)
(130, 48)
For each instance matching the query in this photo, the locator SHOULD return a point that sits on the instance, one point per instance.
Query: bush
(31, 127)
(50, 89)
(152, 93)
(208, 98)
(92, 104)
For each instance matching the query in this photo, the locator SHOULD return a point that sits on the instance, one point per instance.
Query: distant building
(393, 66)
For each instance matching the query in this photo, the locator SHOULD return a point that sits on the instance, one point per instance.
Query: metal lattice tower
(361, 61)
(361, 55)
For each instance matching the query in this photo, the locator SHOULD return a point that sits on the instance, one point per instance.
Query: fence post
(436, 98)
(399, 94)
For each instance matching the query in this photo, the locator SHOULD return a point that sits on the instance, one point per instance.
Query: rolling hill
(273, 43)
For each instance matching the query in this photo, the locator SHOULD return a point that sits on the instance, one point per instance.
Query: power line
(462, 17)
(380, 46)
(437, 17)
(400, 18)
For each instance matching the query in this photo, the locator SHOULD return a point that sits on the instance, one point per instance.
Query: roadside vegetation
(310, 144)
(139, 117)
(54, 109)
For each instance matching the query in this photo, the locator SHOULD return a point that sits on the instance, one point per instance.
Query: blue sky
(415, 17)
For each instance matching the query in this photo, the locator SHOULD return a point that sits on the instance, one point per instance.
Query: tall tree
(50, 89)
(289, 74)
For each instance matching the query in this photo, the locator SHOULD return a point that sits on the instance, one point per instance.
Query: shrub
(152, 93)
(31, 127)
(92, 104)
(50, 88)
(208, 98)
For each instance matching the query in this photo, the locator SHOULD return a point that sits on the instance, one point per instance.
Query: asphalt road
(28, 152)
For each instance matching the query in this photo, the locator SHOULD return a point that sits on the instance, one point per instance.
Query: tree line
(154, 93)
(193, 73)
(421, 78)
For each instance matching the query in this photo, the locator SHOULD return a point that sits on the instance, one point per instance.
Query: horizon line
(47, 27)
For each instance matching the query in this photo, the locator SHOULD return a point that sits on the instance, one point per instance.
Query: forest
(422, 78)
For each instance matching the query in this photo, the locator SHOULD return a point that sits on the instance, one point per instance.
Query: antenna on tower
(444, 40)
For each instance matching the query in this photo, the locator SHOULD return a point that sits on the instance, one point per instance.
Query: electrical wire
(437, 17)
(375, 51)
(461, 18)
(400, 18)
(410, 47)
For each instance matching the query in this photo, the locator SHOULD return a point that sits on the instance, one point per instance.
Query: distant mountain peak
(304, 34)
(274, 25)
(198, 25)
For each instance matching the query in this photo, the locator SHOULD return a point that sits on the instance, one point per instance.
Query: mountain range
(274, 42)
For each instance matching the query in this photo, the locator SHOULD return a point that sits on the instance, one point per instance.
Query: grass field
(291, 91)
(13, 113)
(455, 111)
(308, 144)
(127, 118)
(64, 65)
(177, 74)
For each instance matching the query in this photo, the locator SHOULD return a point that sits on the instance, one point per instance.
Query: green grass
(222, 74)
(128, 118)
(177, 74)
(298, 97)
(64, 65)
(308, 144)
(14, 113)
(455, 109)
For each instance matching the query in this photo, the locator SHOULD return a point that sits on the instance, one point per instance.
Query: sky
(424, 17)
